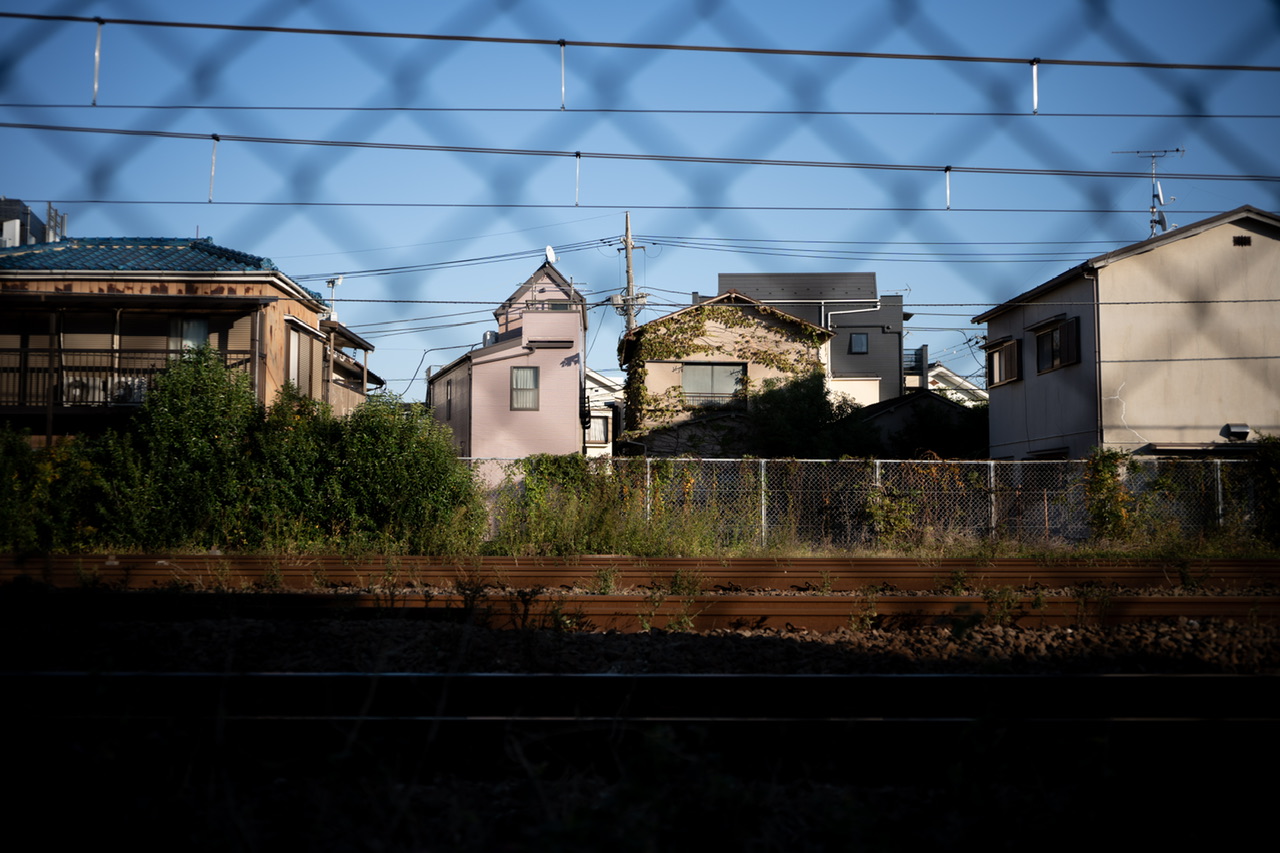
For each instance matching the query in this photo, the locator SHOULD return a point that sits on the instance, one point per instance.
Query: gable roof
(161, 254)
(628, 341)
(1179, 233)
(546, 273)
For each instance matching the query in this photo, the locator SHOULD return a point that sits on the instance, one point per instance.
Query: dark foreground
(977, 754)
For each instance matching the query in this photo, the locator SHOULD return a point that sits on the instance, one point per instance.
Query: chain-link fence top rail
(861, 502)
(965, 152)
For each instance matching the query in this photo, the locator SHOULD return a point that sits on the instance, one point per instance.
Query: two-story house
(864, 359)
(1170, 345)
(522, 391)
(86, 323)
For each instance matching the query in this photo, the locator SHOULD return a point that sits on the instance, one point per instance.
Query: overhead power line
(767, 51)
(652, 158)
(1091, 211)
(623, 111)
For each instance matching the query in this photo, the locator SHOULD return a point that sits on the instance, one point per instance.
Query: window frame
(865, 340)
(602, 421)
(713, 397)
(535, 395)
(1006, 353)
(1057, 344)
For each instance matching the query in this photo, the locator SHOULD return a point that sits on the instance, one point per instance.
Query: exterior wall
(864, 391)
(883, 359)
(768, 338)
(1180, 371)
(1054, 411)
(555, 426)
(451, 403)
(483, 421)
(845, 303)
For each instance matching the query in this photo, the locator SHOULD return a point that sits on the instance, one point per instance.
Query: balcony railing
(83, 377)
(709, 400)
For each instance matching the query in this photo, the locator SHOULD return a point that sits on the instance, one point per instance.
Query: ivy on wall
(788, 347)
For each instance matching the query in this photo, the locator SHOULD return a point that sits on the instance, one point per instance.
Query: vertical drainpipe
(328, 368)
(256, 357)
(1097, 354)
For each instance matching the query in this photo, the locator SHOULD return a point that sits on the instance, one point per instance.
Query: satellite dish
(1159, 193)
(551, 255)
(1164, 223)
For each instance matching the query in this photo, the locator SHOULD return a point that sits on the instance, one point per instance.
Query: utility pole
(625, 303)
(631, 277)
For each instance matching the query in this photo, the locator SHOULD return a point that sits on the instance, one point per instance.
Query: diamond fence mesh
(866, 503)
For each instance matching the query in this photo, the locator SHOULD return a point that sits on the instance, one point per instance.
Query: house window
(1058, 345)
(858, 343)
(712, 384)
(188, 332)
(448, 399)
(524, 389)
(1004, 362)
(598, 431)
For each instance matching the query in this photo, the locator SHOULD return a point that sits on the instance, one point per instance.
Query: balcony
(37, 378)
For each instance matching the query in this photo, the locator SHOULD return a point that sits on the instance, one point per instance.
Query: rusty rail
(609, 573)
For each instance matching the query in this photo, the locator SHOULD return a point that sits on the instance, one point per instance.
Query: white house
(1171, 345)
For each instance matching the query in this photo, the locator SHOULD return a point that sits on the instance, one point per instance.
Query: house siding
(1178, 337)
(1179, 370)
(532, 334)
(1058, 409)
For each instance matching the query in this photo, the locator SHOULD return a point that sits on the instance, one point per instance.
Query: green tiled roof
(163, 254)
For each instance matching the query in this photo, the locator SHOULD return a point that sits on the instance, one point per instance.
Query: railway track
(602, 573)
(819, 594)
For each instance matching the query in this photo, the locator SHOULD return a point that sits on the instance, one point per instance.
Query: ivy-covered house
(690, 373)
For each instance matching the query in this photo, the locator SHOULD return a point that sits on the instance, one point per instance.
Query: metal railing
(88, 377)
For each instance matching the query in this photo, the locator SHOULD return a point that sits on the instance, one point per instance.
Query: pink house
(522, 391)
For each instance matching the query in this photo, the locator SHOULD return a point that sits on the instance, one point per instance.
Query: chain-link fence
(860, 502)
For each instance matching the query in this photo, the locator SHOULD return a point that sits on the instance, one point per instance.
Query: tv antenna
(1157, 194)
(333, 286)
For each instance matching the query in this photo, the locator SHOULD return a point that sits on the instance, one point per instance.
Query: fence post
(648, 492)
(991, 498)
(1217, 484)
(764, 519)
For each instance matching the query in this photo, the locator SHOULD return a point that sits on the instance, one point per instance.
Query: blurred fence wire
(202, 69)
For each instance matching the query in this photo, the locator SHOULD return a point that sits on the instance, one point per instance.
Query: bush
(204, 465)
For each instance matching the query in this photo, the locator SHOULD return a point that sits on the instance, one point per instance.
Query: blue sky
(323, 210)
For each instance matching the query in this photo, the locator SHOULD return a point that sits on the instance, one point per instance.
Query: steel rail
(607, 573)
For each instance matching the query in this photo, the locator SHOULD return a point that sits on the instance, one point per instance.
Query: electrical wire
(652, 111)
(635, 157)
(767, 51)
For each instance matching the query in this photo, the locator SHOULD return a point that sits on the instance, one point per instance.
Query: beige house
(86, 323)
(1171, 345)
(522, 390)
(688, 373)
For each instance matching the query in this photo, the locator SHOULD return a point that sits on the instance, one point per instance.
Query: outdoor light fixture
(1236, 432)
